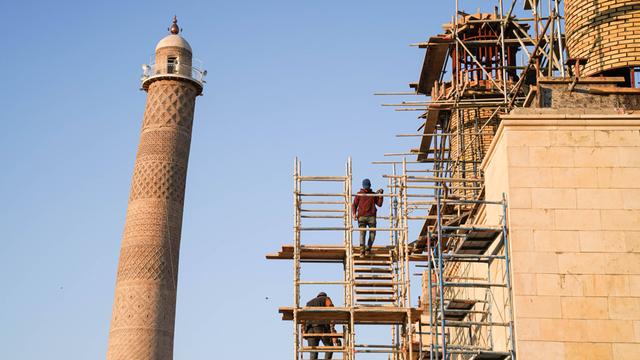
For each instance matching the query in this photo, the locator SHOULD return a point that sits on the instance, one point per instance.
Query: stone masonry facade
(571, 179)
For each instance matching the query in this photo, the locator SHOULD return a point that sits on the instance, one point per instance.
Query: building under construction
(512, 229)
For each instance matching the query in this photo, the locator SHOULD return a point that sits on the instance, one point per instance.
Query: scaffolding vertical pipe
(407, 287)
(402, 208)
(536, 21)
(346, 237)
(432, 318)
(394, 204)
(393, 236)
(392, 215)
(508, 274)
(345, 243)
(349, 254)
(419, 339)
(489, 304)
(460, 163)
(402, 239)
(441, 268)
(503, 56)
(394, 190)
(551, 36)
(478, 150)
(296, 256)
(560, 46)
(456, 72)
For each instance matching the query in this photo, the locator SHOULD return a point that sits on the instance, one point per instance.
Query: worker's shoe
(369, 246)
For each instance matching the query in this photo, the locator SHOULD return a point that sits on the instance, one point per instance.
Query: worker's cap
(366, 183)
(322, 293)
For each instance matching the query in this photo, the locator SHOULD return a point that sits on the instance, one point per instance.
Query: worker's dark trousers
(315, 341)
(363, 222)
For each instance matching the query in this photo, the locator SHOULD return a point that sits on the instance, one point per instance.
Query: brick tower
(605, 34)
(142, 323)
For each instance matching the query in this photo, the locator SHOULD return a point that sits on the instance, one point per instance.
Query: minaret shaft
(142, 324)
(144, 307)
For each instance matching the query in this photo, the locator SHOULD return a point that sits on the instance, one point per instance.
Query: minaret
(144, 307)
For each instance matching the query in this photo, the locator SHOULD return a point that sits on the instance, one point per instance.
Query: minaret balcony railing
(154, 71)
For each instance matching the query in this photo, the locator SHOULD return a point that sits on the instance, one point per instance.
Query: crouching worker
(321, 327)
(364, 210)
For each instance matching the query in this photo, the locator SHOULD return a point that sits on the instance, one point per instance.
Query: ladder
(375, 281)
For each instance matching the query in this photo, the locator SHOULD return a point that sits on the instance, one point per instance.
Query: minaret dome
(174, 40)
(173, 59)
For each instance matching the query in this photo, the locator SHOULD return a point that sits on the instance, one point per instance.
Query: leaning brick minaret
(144, 307)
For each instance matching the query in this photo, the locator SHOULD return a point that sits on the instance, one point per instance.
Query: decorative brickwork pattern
(164, 145)
(137, 348)
(145, 263)
(605, 32)
(155, 179)
(144, 307)
(149, 221)
(170, 104)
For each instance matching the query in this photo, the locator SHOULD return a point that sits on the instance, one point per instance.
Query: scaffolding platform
(477, 242)
(491, 355)
(426, 351)
(367, 315)
(325, 253)
(457, 310)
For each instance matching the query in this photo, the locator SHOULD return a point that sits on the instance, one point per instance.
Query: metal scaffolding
(465, 305)
(376, 287)
(467, 311)
(482, 66)
(463, 310)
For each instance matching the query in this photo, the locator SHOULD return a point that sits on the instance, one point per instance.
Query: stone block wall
(572, 182)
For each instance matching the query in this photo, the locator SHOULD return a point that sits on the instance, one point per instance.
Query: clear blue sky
(286, 78)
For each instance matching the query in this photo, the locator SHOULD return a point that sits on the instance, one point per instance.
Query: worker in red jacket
(364, 210)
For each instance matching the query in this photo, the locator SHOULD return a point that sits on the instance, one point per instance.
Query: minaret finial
(174, 29)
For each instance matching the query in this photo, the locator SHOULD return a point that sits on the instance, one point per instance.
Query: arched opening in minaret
(172, 64)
